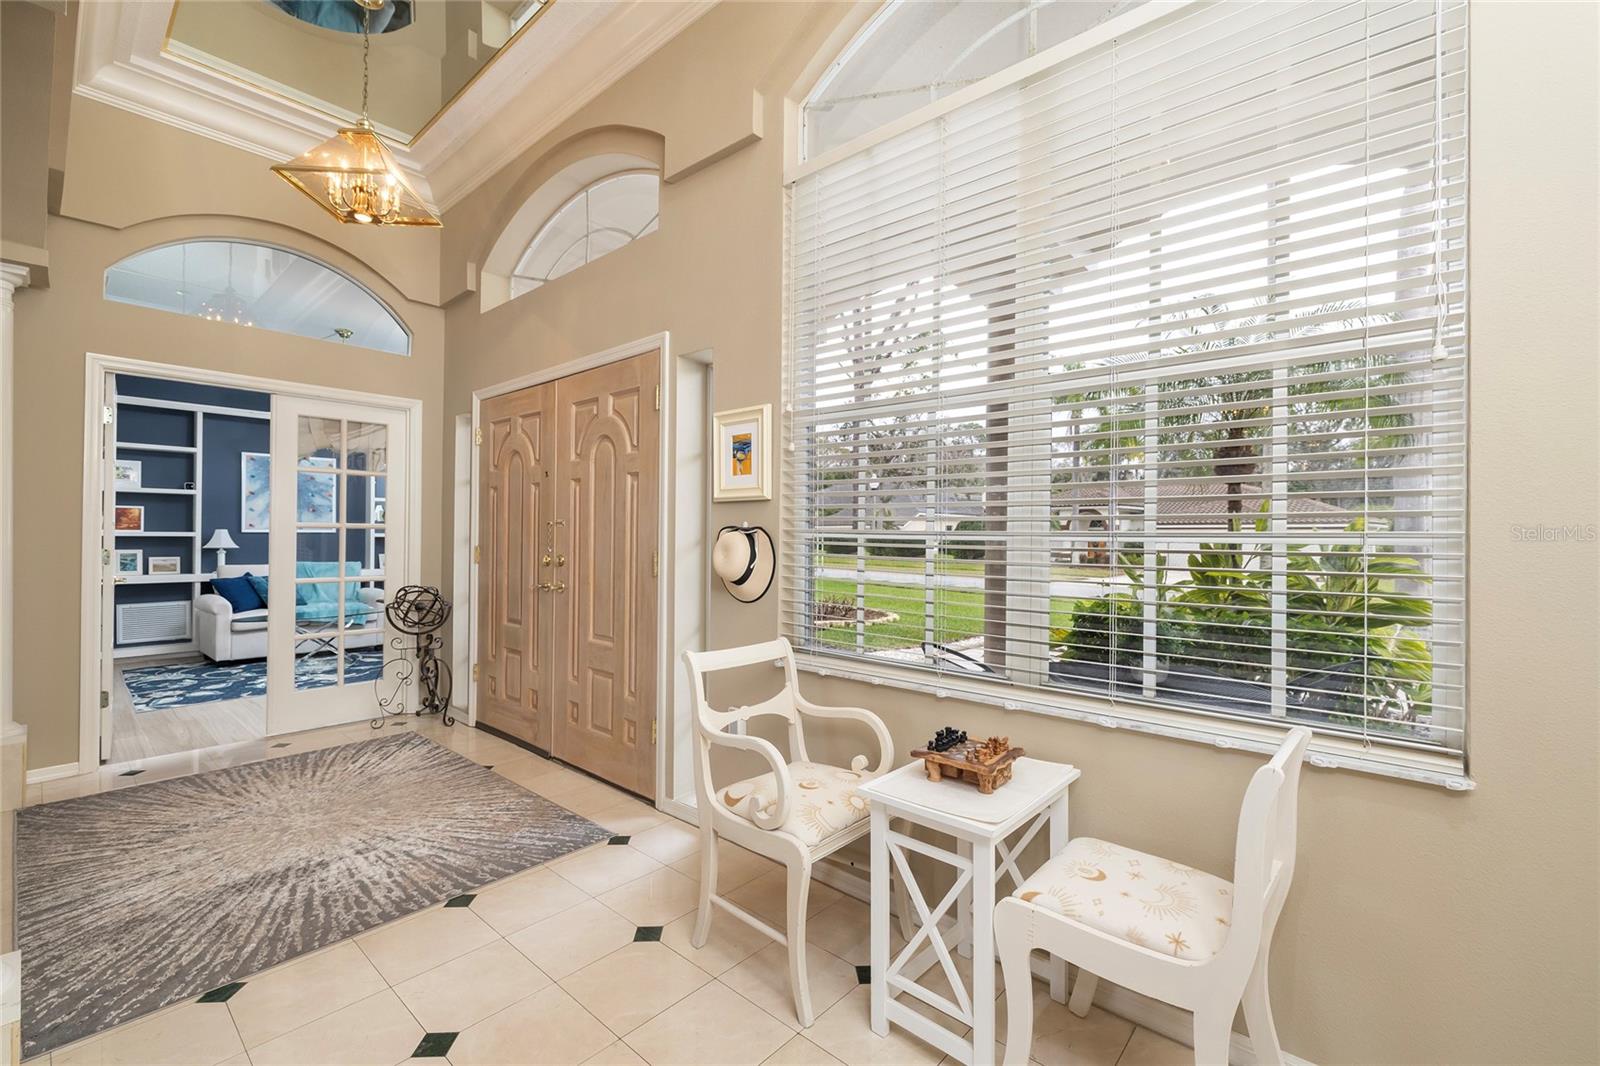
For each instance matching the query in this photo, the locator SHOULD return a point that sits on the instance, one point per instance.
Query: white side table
(983, 827)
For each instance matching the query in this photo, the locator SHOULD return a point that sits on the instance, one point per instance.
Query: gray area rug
(133, 899)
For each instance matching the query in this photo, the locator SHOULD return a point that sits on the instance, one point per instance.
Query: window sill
(1331, 753)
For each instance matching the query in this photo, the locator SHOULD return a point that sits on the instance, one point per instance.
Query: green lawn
(958, 614)
(945, 565)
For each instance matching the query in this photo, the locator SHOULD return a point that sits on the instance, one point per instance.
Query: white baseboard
(52, 773)
(1174, 1023)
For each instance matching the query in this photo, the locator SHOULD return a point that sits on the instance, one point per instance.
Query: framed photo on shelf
(126, 562)
(165, 564)
(743, 453)
(127, 473)
(128, 519)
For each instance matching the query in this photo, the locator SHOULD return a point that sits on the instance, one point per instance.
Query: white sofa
(226, 636)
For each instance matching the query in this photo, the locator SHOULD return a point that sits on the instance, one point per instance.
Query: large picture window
(1139, 374)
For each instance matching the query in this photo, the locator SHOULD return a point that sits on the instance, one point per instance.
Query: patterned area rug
(156, 688)
(133, 899)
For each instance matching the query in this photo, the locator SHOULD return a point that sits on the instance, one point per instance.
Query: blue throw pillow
(260, 585)
(239, 593)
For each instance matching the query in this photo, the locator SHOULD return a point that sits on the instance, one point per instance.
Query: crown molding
(573, 54)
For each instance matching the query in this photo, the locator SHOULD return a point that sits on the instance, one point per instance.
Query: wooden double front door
(569, 498)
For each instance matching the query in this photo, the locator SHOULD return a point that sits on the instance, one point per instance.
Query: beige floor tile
(191, 1034)
(800, 1052)
(301, 991)
(1146, 1048)
(763, 979)
(604, 867)
(525, 770)
(714, 1026)
(668, 842)
(402, 950)
(590, 805)
(1059, 1036)
(561, 783)
(729, 943)
(571, 940)
(518, 902)
(844, 1031)
(465, 990)
(70, 787)
(845, 929)
(655, 899)
(768, 897)
(633, 984)
(376, 1031)
(628, 817)
(735, 866)
(618, 1054)
(546, 1027)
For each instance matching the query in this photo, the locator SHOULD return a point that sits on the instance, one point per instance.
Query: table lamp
(221, 542)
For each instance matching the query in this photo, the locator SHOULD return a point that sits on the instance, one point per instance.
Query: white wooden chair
(797, 813)
(1161, 928)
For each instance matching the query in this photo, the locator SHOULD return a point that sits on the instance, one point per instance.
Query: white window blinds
(1140, 374)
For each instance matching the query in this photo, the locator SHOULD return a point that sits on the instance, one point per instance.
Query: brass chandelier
(353, 175)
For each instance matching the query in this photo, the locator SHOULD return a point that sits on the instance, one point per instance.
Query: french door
(337, 511)
(569, 499)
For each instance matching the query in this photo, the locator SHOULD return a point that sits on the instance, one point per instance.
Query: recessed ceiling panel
(423, 52)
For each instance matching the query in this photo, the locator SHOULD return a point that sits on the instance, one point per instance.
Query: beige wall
(27, 38)
(1424, 926)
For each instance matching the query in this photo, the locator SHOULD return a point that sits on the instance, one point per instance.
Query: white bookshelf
(195, 578)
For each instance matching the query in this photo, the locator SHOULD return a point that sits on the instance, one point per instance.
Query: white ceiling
(567, 57)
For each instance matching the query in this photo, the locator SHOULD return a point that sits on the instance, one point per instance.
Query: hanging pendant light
(353, 175)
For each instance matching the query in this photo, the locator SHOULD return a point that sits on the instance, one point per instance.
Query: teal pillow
(260, 585)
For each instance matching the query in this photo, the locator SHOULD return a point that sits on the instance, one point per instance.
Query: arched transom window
(915, 51)
(601, 218)
(257, 286)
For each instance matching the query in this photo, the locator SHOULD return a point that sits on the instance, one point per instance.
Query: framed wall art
(743, 453)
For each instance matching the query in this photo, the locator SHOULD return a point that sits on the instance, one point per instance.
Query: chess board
(969, 761)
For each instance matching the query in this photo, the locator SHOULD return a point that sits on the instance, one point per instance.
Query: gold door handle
(553, 586)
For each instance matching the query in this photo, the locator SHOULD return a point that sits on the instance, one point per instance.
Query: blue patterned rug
(157, 688)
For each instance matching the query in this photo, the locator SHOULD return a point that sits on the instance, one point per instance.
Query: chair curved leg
(1258, 1015)
(1083, 993)
(708, 884)
(1011, 940)
(799, 983)
(1213, 1030)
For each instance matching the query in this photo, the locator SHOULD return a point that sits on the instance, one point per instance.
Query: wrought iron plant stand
(417, 613)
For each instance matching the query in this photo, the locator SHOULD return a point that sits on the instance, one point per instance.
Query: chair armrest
(858, 714)
(211, 603)
(771, 818)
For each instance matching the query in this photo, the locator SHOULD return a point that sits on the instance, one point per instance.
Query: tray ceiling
(454, 105)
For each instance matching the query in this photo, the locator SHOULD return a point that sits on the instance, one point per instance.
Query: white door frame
(97, 367)
(667, 653)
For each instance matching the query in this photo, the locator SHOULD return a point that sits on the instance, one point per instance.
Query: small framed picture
(127, 473)
(126, 562)
(166, 564)
(128, 520)
(743, 454)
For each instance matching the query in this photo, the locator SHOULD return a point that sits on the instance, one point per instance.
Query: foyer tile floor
(585, 960)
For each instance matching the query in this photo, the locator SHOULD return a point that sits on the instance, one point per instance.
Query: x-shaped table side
(990, 832)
